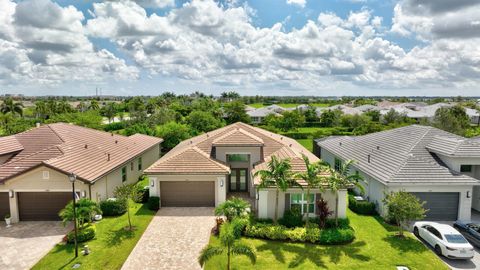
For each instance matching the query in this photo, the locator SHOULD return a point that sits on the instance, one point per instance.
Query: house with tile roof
(440, 168)
(208, 169)
(35, 165)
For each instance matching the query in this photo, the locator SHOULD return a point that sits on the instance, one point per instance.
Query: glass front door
(238, 180)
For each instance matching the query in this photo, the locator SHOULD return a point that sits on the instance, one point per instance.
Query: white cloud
(300, 3)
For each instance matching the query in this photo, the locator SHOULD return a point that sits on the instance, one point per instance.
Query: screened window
(139, 163)
(338, 164)
(299, 201)
(238, 157)
(465, 168)
(124, 174)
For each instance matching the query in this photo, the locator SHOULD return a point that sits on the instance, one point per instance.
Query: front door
(238, 180)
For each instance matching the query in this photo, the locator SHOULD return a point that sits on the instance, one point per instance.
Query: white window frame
(303, 203)
(45, 175)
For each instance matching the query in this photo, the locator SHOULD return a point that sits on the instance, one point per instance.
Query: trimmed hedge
(298, 135)
(361, 207)
(85, 234)
(330, 236)
(113, 207)
(154, 203)
(291, 219)
(115, 126)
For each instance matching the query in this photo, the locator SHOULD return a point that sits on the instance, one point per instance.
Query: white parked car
(444, 239)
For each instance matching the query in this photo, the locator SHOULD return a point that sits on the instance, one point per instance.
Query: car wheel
(438, 250)
(415, 232)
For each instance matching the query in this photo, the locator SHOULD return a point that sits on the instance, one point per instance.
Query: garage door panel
(36, 206)
(441, 205)
(4, 204)
(187, 193)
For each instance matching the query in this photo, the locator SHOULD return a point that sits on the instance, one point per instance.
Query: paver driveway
(173, 240)
(25, 243)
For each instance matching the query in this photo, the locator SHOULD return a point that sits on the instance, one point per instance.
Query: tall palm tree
(10, 106)
(230, 245)
(64, 107)
(279, 175)
(313, 179)
(342, 179)
(41, 109)
(109, 111)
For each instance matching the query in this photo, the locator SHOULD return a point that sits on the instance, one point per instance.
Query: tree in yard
(235, 112)
(311, 114)
(109, 111)
(452, 119)
(404, 207)
(313, 179)
(291, 120)
(10, 106)
(229, 245)
(41, 110)
(64, 107)
(203, 121)
(233, 208)
(341, 178)
(323, 212)
(94, 106)
(173, 133)
(278, 175)
(85, 209)
(128, 192)
(330, 118)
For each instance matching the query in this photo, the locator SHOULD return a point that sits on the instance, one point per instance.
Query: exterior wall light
(468, 194)
(221, 183)
(11, 193)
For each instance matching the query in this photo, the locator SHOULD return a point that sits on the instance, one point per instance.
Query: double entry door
(238, 180)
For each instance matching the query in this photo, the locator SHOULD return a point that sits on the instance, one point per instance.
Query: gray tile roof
(458, 147)
(397, 156)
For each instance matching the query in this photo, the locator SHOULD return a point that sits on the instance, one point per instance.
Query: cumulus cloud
(300, 3)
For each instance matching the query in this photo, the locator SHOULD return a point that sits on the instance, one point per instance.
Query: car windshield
(455, 238)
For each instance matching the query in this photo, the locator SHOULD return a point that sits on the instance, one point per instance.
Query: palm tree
(342, 179)
(279, 175)
(64, 107)
(232, 208)
(311, 176)
(41, 109)
(85, 208)
(10, 106)
(94, 106)
(82, 107)
(109, 111)
(230, 245)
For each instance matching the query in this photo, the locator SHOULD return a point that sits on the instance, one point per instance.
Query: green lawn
(307, 143)
(110, 248)
(288, 105)
(376, 247)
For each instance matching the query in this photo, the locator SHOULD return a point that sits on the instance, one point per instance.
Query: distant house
(208, 169)
(344, 109)
(258, 115)
(436, 166)
(367, 108)
(35, 166)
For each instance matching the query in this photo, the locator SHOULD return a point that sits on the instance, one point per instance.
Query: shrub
(86, 233)
(323, 212)
(233, 208)
(154, 203)
(291, 218)
(218, 222)
(361, 207)
(143, 194)
(298, 135)
(113, 207)
(336, 236)
(114, 126)
(263, 220)
(343, 223)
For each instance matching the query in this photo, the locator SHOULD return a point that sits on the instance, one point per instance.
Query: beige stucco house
(35, 165)
(207, 169)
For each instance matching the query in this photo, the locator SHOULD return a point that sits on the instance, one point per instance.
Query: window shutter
(287, 201)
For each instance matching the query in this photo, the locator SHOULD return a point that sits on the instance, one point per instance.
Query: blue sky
(282, 47)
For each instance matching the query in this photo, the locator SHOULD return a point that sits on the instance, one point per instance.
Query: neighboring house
(207, 169)
(436, 166)
(344, 109)
(473, 115)
(35, 165)
(258, 115)
(367, 108)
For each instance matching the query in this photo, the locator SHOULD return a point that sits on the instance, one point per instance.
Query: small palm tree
(313, 179)
(230, 245)
(85, 208)
(342, 179)
(232, 208)
(10, 106)
(94, 106)
(279, 175)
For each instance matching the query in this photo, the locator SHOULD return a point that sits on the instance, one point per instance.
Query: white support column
(263, 204)
(220, 190)
(14, 208)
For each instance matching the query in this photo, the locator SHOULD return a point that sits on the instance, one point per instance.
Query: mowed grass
(109, 249)
(289, 105)
(307, 143)
(376, 247)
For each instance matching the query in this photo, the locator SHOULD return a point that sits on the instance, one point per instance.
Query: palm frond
(241, 249)
(207, 253)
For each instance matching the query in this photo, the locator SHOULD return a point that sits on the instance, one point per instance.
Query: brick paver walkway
(173, 240)
(25, 243)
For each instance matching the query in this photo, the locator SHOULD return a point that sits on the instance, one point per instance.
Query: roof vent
(368, 158)
(290, 145)
(37, 124)
(378, 147)
(108, 157)
(86, 146)
(116, 141)
(340, 143)
(111, 134)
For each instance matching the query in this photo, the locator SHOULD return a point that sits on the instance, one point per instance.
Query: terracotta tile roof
(273, 144)
(238, 137)
(9, 144)
(68, 148)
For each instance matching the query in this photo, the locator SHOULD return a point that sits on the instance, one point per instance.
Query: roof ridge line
(56, 133)
(32, 154)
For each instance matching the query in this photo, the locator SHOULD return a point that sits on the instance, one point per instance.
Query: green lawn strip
(376, 247)
(109, 249)
(307, 143)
